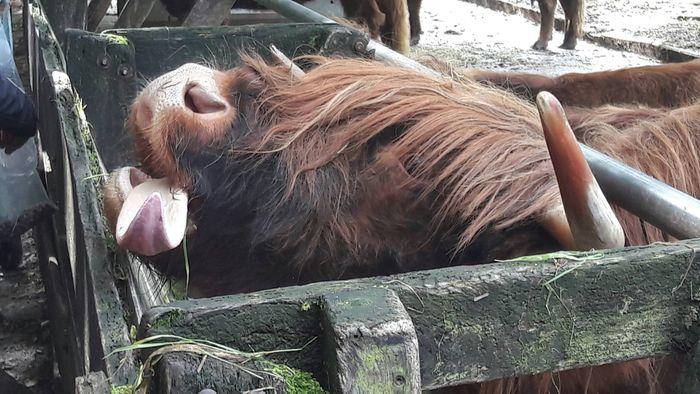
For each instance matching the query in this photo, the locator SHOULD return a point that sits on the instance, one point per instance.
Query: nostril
(201, 101)
(137, 177)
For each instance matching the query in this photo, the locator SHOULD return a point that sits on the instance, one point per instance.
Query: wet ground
(674, 23)
(25, 344)
(472, 36)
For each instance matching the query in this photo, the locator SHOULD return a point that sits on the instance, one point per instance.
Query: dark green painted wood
(370, 343)
(66, 14)
(52, 248)
(159, 50)
(477, 323)
(86, 283)
(101, 68)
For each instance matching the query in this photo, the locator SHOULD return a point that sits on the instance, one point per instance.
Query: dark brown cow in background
(414, 18)
(574, 15)
(662, 86)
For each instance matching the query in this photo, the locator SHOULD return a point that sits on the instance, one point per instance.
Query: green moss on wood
(125, 389)
(167, 321)
(116, 39)
(296, 381)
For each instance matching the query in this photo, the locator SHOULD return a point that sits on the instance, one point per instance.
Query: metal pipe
(661, 205)
(298, 13)
(669, 209)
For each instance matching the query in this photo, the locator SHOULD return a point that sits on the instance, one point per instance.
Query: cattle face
(353, 169)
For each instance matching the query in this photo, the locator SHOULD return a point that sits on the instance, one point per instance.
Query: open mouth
(153, 214)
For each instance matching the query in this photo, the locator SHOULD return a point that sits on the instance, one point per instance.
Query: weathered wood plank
(94, 302)
(477, 323)
(370, 343)
(191, 373)
(101, 67)
(66, 14)
(208, 13)
(92, 383)
(134, 13)
(96, 12)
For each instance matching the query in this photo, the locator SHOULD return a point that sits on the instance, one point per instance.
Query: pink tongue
(153, 218)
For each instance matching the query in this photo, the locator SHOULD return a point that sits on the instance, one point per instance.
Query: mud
(25, 344)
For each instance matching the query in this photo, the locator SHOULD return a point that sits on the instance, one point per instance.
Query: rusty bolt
(103, 61)
(124, 70)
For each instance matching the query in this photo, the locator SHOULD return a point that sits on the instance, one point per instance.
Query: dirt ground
(462, 33)
(26, 352)
(667, 22)
(471, 36)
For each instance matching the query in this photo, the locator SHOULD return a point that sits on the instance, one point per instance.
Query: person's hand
(10, 142)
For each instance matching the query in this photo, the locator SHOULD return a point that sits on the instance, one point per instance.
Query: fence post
(370, 343)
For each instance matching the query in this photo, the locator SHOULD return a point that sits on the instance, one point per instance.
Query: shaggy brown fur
(667, 85)
(665, 146)
(362, 169)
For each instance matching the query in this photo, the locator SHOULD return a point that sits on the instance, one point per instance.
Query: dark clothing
(16, 110)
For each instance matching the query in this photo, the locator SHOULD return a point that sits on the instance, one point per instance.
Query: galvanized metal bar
(669, 209)
(298, 13)
(663, 206)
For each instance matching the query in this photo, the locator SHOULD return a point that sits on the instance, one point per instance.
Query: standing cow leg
(396, 32)
(547, 8)
(414, 20)
(574, 14)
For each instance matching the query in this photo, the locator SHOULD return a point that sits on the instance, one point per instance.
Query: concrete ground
(473, 36)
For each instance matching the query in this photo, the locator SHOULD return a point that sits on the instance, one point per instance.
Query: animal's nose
(202, 101)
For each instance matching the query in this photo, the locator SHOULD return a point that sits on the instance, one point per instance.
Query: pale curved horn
(586, 221)
(287, 62)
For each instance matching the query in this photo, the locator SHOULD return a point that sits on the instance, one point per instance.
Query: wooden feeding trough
(403, 333)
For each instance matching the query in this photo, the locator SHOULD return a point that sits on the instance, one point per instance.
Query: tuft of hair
(398, 15)
(662, 144)
(581, 16)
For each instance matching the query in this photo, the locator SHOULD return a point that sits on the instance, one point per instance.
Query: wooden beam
(66, 14)
(134, 13)
(94, 305)
(370, 343)
(209, 13)
(477, 323)
(96, 12)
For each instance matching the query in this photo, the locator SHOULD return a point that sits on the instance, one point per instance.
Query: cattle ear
(246, 80)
